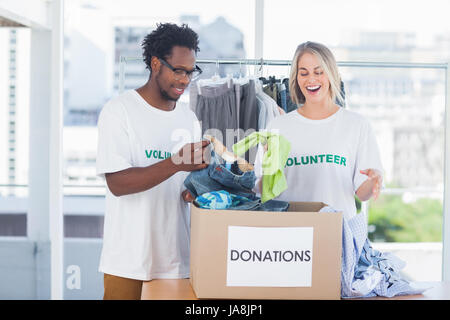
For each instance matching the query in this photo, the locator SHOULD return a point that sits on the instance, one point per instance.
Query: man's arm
(138, 179)
(133, 180)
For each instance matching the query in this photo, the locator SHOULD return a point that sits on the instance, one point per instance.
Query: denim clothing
(343, 96)
(232, 177)
(220, 200)
(217, 177)
(272, 205)
(281, 101)
(290, 105)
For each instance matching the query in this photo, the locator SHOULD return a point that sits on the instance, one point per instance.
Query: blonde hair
(328, 64)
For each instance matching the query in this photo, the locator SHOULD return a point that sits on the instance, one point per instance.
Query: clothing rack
(365, 64)
(262, 62)
(255, 62)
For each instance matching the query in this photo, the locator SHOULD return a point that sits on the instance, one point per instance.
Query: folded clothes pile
(227, 183)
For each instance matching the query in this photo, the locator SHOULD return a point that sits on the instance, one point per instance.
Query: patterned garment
(218, 200)
(366, 272)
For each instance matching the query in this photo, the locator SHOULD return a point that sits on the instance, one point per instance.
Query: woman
(334, 154)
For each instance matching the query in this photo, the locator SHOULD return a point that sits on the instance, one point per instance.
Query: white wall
(31, 13)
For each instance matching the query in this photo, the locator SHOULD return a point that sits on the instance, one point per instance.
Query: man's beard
(164, 93)
(166, 96)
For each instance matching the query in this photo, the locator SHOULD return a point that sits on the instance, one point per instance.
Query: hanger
(242, 80)
(240, 69)
(215, 79)
(263, 80)
(260, 72)
(216, 76)
(218, 80)
(274, 79)
(199, 86)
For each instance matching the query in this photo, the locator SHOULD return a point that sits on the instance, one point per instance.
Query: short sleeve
(367, 155)
(258, 168)
(113, 149)
(197, 129)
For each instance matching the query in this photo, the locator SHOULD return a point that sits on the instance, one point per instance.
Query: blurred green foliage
(392, 220)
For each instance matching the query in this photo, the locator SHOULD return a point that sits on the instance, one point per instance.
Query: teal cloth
(273, 162)
(219, 200)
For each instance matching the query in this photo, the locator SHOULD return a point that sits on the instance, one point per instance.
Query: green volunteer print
(157, 154)
(319, 158)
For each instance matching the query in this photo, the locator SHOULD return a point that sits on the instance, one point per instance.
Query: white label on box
(269, 257)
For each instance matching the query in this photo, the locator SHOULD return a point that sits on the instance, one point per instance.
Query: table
(180, 289)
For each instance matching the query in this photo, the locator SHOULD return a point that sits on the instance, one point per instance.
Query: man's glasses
(181, 73)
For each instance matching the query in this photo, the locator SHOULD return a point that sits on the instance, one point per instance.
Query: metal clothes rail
(362, 64)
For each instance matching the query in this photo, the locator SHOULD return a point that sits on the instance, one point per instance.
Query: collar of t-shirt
(321, 121)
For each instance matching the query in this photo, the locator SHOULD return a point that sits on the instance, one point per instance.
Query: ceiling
(9, 23)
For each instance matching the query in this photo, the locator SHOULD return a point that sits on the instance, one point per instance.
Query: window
(405, 106)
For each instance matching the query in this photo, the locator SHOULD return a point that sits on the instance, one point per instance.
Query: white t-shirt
(146, 234)
(326, 157)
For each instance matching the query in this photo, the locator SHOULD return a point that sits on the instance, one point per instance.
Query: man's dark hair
(159, 42)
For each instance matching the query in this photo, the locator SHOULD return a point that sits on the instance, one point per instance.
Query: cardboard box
(266, 255)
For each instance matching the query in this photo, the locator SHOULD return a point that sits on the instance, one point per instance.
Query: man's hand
(187, 196)
(191, 157)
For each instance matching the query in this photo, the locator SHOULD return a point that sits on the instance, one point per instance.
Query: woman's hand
(372, 186)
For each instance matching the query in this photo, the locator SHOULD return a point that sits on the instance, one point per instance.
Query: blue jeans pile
(220, 175)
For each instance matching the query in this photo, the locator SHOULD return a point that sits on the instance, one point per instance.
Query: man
(141, 155)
